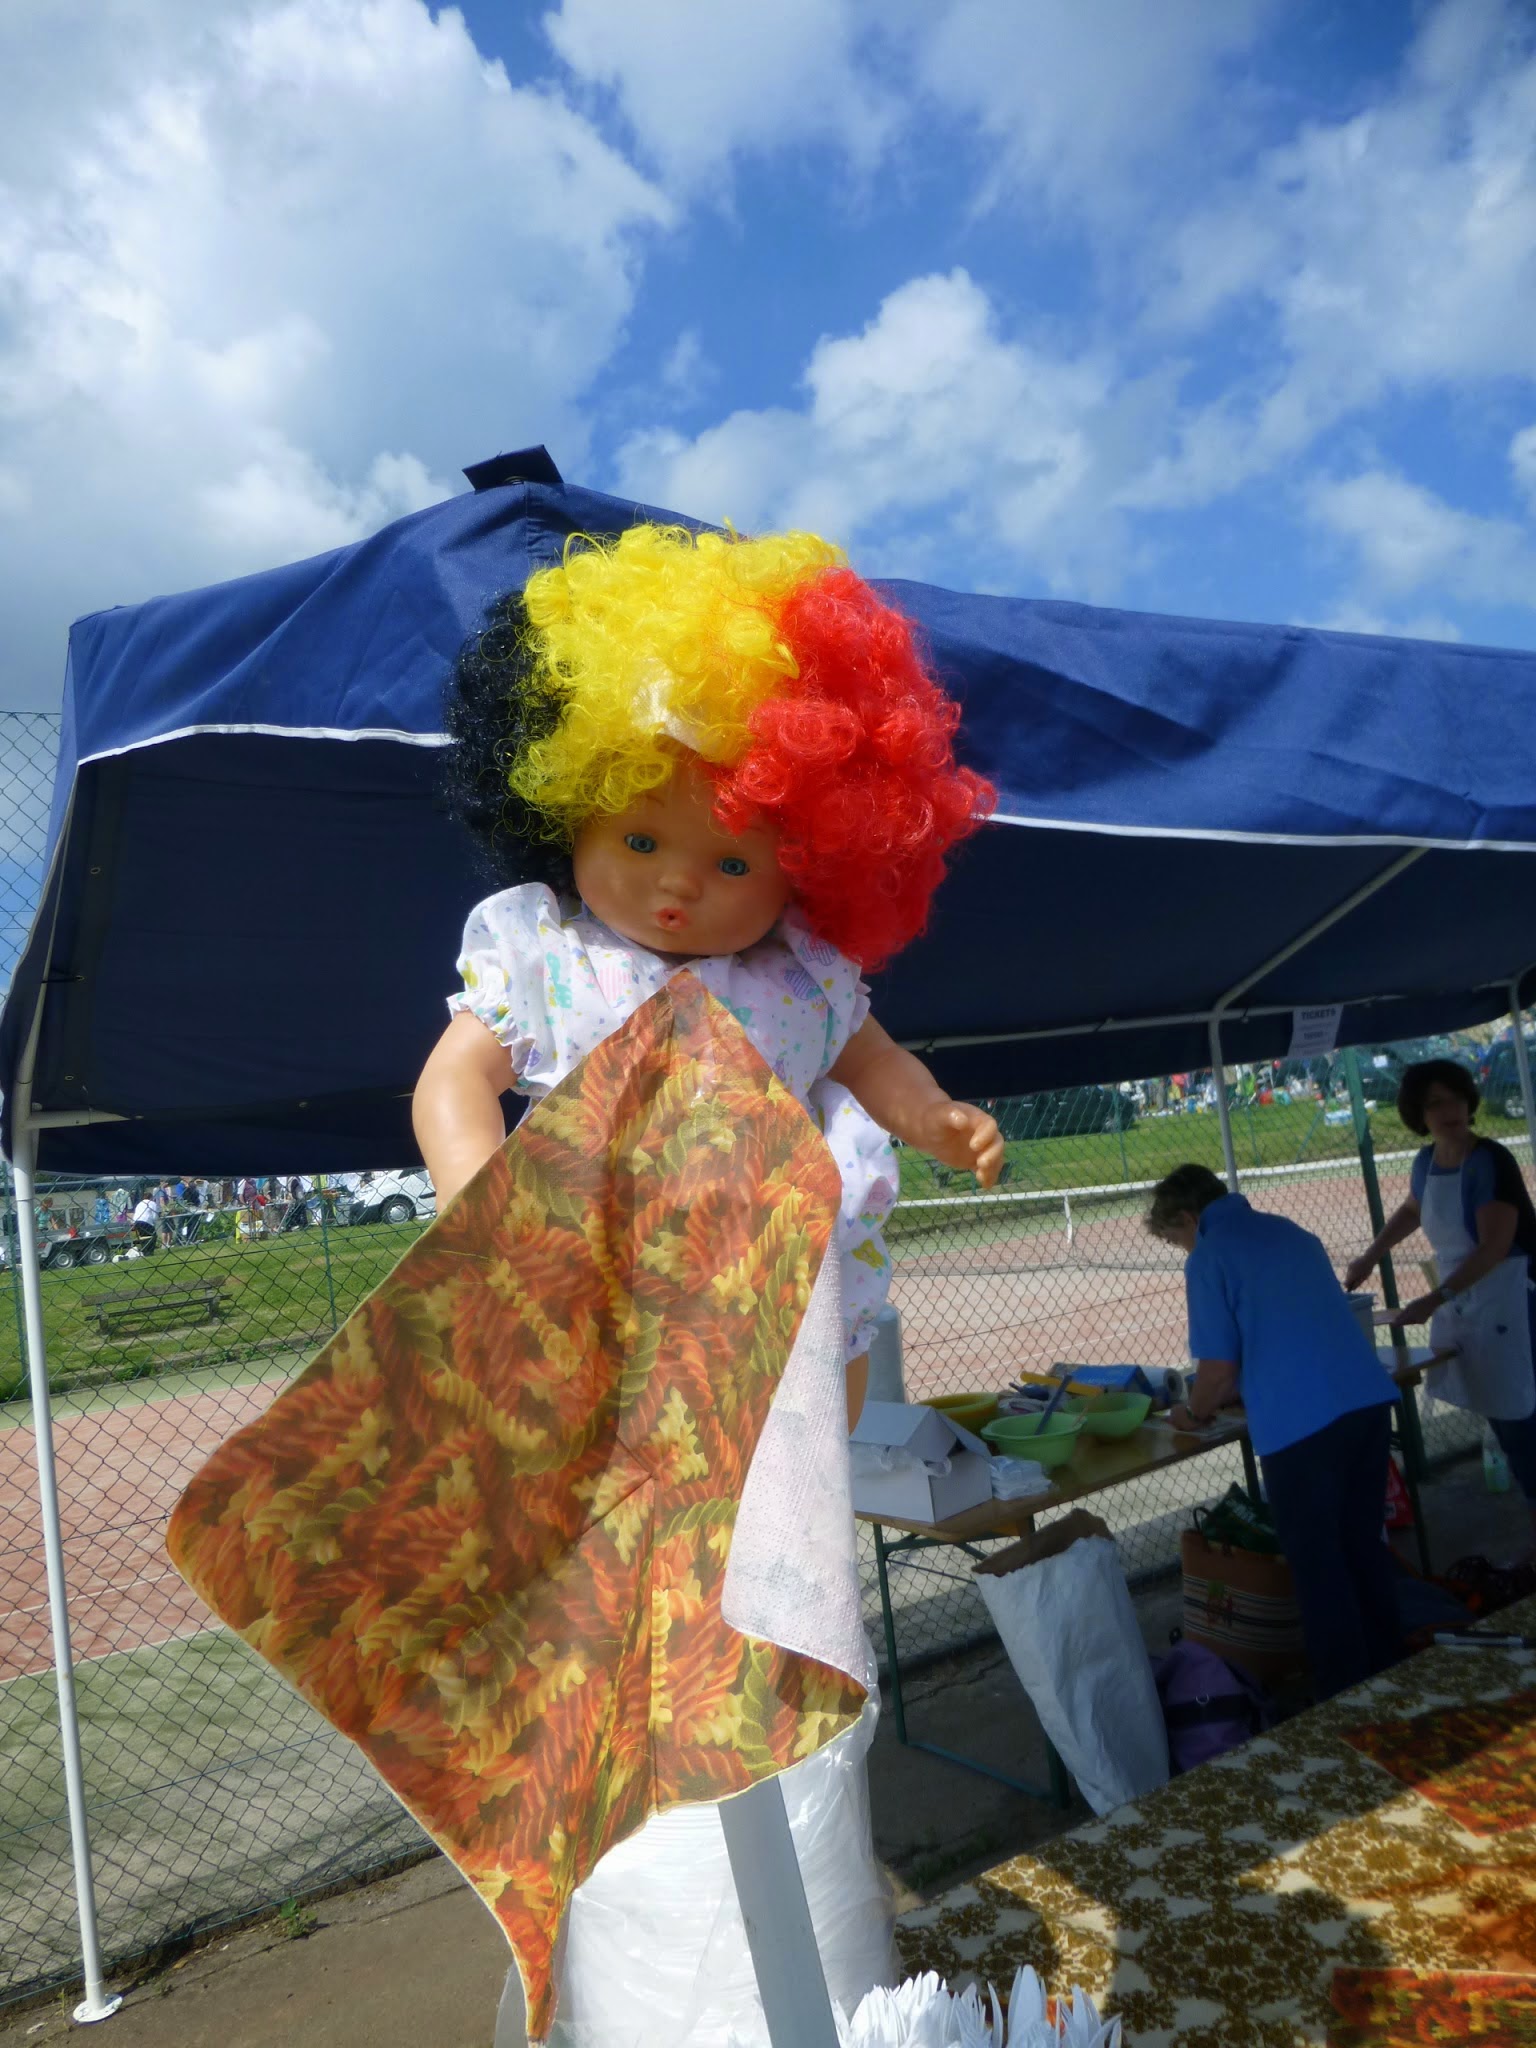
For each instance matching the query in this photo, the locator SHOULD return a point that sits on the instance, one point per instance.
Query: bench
(947, 1176)
(131, 1303)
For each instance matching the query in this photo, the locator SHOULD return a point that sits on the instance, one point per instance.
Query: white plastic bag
(1070, 1631)
(654, 1953)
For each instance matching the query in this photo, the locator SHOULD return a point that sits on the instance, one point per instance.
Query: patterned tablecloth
(1364, 1877)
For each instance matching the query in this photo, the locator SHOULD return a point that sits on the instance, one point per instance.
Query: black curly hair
(490, 716)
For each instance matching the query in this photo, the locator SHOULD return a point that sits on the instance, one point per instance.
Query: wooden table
(1307, 1887)
(1096, 1465)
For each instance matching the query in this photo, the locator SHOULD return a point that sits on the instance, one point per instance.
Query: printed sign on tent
(1314, 1031)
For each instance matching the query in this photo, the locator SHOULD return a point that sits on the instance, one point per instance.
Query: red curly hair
(852, 764)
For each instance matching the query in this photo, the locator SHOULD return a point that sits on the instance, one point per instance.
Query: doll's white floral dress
(552, 982)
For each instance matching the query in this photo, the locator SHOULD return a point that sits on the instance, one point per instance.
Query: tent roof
(253, 903)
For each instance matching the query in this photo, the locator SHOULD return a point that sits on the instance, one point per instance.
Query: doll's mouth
(672, 920)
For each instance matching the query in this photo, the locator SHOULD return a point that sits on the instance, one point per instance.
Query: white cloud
(687, 372)
(926, 434)
(1359, 618)
(292, 265)
(1391, 252)
(699, 83)
(1080, 104)
(1407, 540)
(1522, 462)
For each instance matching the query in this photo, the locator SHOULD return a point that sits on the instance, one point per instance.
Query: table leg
(892, 1658)
(1411, 1438)
(1250, 1467)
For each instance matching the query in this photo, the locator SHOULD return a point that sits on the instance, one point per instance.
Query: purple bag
(1209, 1706)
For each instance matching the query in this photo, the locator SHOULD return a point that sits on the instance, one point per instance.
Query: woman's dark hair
(1184, 1192)
(490, 715)
(1417, 1082)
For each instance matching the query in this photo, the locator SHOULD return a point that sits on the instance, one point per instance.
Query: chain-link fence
(175, 1308)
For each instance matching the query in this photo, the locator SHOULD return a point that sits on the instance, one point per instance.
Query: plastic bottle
(1495, 1464)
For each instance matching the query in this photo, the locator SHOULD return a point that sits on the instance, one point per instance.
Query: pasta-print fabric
(551, 981)
(1219, 1911)
(486, 1532)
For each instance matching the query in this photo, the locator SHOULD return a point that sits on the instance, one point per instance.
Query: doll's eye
(733, 864)
(639, 842)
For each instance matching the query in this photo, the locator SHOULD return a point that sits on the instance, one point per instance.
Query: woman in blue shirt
(1469, 1197)
(1269, 1324)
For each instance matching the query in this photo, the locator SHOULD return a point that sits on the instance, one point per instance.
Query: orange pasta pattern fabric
(486, 1532)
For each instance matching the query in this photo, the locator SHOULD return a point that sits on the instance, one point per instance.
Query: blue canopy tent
(252, 900)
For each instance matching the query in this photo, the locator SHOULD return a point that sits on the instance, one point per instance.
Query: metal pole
(96, 2004)
(1365, 1145)
(771, 1892)
(1522, 1058)
(325, 1246)
(1223, 1107)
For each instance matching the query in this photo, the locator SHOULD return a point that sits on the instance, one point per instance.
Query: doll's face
(663, 874)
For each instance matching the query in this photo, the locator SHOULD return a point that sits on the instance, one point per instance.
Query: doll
(557, 1526)
(719, 753)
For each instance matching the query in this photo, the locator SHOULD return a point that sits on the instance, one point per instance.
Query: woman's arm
(904, 1099)
(1403, 1222)
(456, 1110)
(1495, 1239)
(1215, 1386)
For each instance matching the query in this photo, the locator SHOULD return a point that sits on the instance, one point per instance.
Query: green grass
(279, 1292)
(1276, 1134)
(277, 1297)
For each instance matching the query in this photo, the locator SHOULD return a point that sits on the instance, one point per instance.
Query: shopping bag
(1240, 1522)
(1243, 1606)
(1071, 1635)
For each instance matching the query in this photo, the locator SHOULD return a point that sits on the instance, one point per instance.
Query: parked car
(1501, 1079)
(92, 1246)
(1382, 1066)
(1066, 1113)
(385, 1197)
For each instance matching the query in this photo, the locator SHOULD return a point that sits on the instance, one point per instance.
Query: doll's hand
(966, 1138)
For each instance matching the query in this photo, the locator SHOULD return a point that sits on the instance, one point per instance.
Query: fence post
(1413, 1436)
(13, 1258)
(325, 1246)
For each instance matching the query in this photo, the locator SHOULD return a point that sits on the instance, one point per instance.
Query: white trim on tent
(277, 732)
(1302, 839)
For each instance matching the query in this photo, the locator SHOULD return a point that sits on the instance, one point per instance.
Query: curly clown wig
(804, 696)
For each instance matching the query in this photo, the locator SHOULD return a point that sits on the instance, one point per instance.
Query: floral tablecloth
(1361, 1877)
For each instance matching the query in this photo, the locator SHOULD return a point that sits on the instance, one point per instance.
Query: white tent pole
(1302, 940)
(1522, 1057)
(1223, 1107)
(780, 1935)
(96, 2005)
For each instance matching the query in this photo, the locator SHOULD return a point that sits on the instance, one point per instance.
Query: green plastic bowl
(1116, 1414)
(1020, 1436)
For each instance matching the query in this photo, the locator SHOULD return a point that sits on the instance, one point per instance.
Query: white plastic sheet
(1070, 1631)
(654, 1953)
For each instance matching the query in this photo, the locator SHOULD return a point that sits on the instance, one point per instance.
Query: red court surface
(973, 1314)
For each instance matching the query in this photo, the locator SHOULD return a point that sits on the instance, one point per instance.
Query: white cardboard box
(911, 1494)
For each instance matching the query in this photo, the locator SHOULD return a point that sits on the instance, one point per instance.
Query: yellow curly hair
(636, 642)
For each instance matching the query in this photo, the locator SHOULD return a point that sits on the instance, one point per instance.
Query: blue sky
(1218, 306)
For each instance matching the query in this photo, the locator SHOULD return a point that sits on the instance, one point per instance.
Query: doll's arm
(902, 1096)
(456, 1110)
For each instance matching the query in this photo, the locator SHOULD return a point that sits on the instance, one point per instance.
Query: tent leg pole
(1522, 1058)
(771, 1892)
(1223, 1107)
(96, 2005)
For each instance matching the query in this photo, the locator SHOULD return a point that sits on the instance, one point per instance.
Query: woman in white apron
(1468, 1196)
